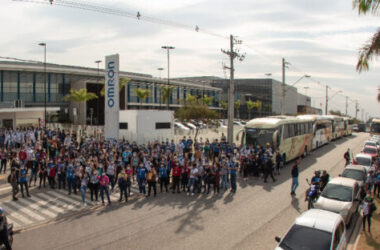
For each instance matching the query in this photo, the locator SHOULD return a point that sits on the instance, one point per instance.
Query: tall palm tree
(166, 94)
(142, 94)
(122, 83)
(372, 47)
(250, 105)
(237, 107)
(80, 96)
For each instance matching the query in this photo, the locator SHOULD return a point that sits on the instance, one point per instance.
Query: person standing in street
(367, 210)
(103, 184)
(295, 177)
(268, 164)
(141, 178)
(233, 171)
(83, 186)
(152, 181)
(346, 157)
(23, 182)
(122, 182)
(176, 177)
(163, 177)
(13, 180)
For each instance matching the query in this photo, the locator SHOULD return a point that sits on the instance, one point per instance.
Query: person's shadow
(295, 204)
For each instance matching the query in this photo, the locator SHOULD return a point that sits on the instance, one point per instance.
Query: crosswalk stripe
(72, 196)
(60, 203)
(16, 215)
(28, 212)
(65, 198)
(35, 206)
(42, 202)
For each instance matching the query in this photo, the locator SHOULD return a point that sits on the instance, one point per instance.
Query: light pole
(45, 113)
(284, 90)
(168, 48)
(327, 98)
(97, 102)
(160, 70)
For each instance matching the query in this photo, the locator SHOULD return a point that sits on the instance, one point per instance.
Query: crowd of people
(56, 159)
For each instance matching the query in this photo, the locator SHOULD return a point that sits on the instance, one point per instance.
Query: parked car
(363, 160)
(355, 128)
(190, 125)
(341, 195)
(372, 151)
(372, 143)
(356, 172)
(180, 126)
(315, 229)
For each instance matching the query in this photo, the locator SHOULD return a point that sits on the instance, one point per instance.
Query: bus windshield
(259, 136)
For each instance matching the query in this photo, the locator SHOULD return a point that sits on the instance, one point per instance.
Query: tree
(237, 106)
(372, 47)
(166, 94)
(122, 83)
(196, 112)
(336, 112)
(224, 104)
(207, 100)
(191, 99)
(80, 96)
(250, 105)
(142, 94)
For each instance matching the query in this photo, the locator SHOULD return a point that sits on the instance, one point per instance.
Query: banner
(111, 97)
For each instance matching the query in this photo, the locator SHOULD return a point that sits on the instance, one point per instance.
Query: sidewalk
(371, 240)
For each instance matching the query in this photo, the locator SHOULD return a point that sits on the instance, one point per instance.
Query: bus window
(286, 132)
(291, 130)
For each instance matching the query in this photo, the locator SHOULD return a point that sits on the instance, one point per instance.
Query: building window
(123, 125)
(163, 125)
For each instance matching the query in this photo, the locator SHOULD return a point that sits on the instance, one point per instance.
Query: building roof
(93, 72)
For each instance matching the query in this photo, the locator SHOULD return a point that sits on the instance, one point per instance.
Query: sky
(320, 38)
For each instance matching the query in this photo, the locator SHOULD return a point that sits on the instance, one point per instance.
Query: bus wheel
(304, 152)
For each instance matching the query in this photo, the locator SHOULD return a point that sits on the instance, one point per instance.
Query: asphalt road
(249, 219)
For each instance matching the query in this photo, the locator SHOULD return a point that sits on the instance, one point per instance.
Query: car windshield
(337, 192)
(369, 150)
(354, 174)
(255, 136)
(301, 237)
(363, 161)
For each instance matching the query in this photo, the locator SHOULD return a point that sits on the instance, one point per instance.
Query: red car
(371, 150)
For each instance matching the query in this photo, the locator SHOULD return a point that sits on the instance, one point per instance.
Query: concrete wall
(22, 118)
(142, 125)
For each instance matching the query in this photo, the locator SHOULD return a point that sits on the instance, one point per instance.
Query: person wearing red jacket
(22, 157)
(176, 176)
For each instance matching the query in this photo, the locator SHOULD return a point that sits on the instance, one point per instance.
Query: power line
(85, 5)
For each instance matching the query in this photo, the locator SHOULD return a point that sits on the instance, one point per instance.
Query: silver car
(341, 195)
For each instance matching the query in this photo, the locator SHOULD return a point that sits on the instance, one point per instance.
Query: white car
(180, 126)
(315, 229)
(363, 160)
(340, 195)
(190, 125)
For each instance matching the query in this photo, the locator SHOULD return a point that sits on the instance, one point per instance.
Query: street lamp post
(168, 48)
(284, 90)
(45, 113)
(97, 102)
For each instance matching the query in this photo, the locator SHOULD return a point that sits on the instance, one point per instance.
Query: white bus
(348, 126)
(375, 127)
(322, 129)
(337, 126)
(291, 136)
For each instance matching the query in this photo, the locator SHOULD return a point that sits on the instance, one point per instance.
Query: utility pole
(356, 109)
(283, 88)
(346, 104)
(231, 94)
(327, 99)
